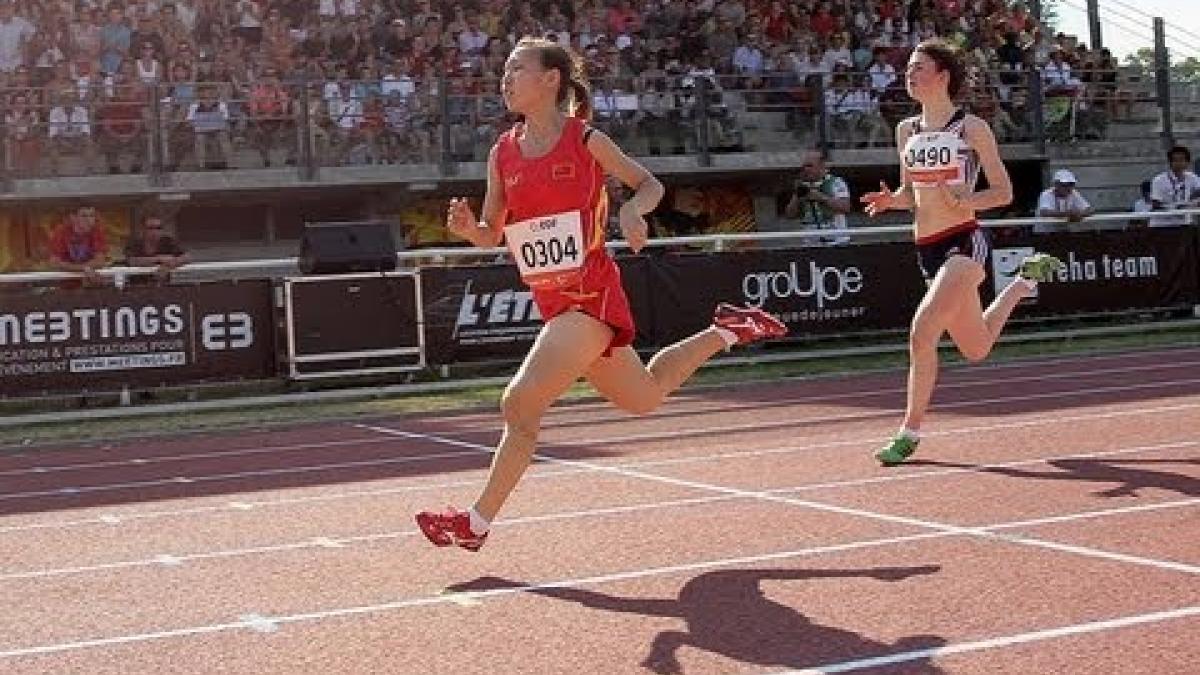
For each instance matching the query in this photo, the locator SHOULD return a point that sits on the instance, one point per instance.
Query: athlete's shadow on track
(1127, 474)
(728, 613)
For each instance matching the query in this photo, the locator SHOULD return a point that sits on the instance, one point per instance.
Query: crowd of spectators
(363, 76)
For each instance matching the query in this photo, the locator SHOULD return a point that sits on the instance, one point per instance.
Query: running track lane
(801, 586)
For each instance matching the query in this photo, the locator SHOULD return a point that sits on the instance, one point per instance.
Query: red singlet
(557, 208)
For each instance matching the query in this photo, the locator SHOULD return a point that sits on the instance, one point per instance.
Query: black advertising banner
(814, 290)
(93, 340)
(1106, 270)
(477, 313)
(486, 313)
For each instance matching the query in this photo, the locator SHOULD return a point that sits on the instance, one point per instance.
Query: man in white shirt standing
(1061, 201)
(15, 31)
(1176, 188)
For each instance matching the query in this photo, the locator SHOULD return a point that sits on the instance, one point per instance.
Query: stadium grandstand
(242, 120)
(243, 353)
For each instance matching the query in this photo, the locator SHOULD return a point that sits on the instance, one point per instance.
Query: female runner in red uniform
(546, 199)
(941, 153)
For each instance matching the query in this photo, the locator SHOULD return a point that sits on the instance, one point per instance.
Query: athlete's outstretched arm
(902, 198)
(999, 193)
(648, 191)
(489, 230)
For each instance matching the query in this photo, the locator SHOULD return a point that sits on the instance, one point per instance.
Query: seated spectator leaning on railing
(1061, 201)
(1176, 188)
(78, 244)
(150, 246)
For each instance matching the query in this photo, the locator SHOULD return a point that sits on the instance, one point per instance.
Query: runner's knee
(522, 409)
(973, 353)
(925, 330)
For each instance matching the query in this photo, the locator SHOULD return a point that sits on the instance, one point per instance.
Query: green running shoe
(1039, 267)
(897, 450)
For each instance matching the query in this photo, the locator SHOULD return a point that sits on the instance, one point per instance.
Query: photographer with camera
(820, 199)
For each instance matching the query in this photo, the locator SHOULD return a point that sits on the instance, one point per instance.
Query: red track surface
(1048, 525)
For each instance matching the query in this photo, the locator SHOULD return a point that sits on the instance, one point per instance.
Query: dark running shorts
(967, 239)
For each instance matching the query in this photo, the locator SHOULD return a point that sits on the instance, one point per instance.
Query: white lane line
(664, 413)
(337, 542)
(848, 417)
(255, 621)
(1000, 642)
(844, 510)
(674, 461)
(952, 371)
(704, 431)
(162, 459)
(184, 480)
(712, 406)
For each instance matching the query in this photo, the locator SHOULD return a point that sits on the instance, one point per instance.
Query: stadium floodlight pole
(1093, 13)
(1162, 77)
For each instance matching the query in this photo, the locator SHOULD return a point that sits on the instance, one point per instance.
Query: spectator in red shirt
(822, 22)
(623, 19)
(78, 244)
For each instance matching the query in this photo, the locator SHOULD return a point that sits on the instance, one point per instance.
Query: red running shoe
(749, 324)
(450, 527)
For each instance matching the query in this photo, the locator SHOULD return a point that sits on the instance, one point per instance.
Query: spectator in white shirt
(1177, 188)
(472, 41)
(15, 31)
(1061, 201)
(1057, 77)
(882, 73)
(209, 118)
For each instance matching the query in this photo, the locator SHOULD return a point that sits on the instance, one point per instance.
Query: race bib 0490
(549, 250)
(935, 156)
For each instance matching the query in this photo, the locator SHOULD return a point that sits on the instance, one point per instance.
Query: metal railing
(437, 256)
(159, 128)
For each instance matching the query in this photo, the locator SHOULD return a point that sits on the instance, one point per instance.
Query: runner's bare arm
(648, 191)
(885, 199)
(488, 231)
(999, 193)
(903, 198)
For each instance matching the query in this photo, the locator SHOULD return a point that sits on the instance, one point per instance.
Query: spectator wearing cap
(1061, 201)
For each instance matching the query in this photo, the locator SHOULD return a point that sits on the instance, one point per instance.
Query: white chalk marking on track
(559, 473)
(1000, 642)
(833, 508)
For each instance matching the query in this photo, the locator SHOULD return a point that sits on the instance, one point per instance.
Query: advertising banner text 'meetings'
(93, 340)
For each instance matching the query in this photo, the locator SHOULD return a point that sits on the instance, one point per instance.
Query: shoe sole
(432, 533)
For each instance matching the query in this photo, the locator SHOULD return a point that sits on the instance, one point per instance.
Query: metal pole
(702, 139)
(158, 139)
(1162, 78)
(824, 139)
(1037, 107)
(307, 162)
(1093, 13)
(447, 142)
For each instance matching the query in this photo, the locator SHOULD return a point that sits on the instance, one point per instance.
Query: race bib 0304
(935, 156)
(549, 250)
